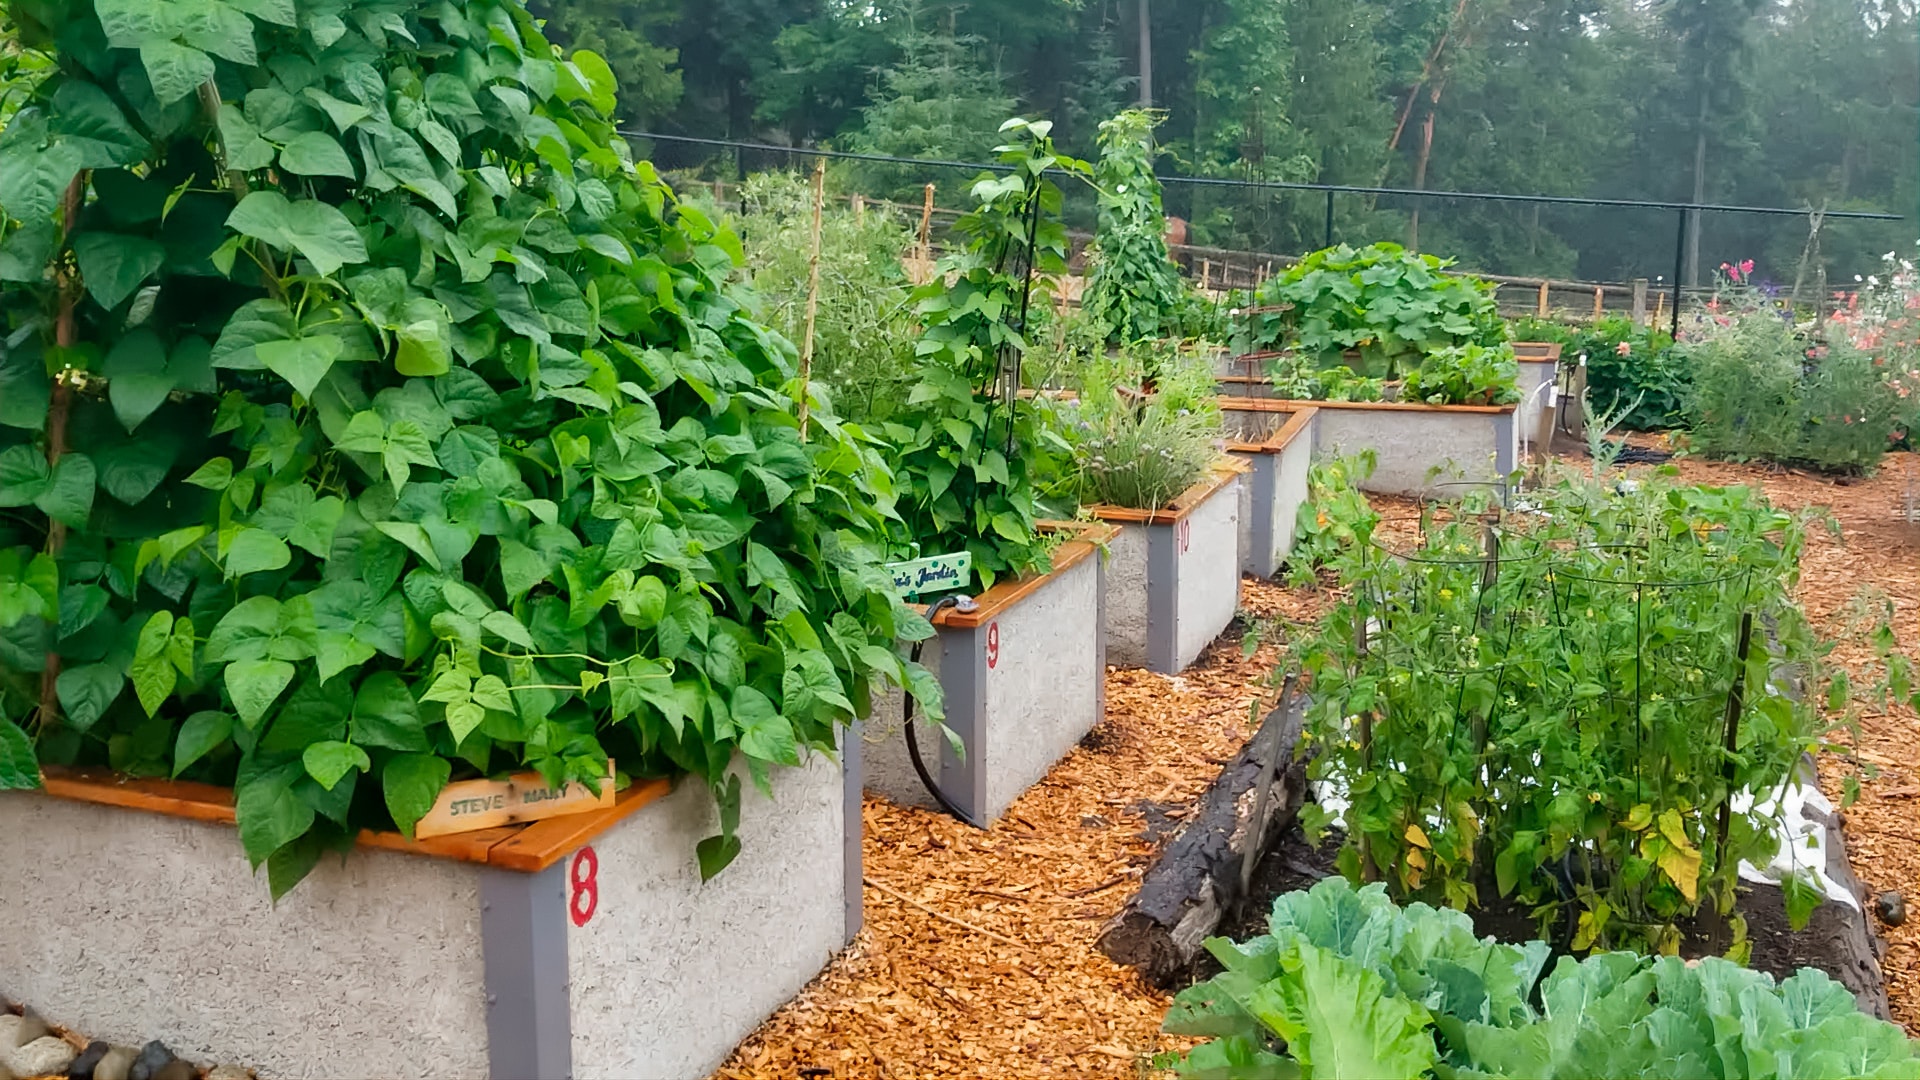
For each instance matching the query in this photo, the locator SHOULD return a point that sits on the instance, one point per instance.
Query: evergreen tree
(626, 33)
(937, 102)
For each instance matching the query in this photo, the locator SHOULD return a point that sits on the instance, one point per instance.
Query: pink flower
(1623, 349)
(1746, 268)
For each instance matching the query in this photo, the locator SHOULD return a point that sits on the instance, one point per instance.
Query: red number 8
(585, 877)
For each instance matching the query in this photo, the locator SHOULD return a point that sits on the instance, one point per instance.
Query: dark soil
(1830, 941)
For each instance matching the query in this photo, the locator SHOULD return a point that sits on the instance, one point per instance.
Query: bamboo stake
(1599, 301)
(1659, 308)
(813, 289)
(926, 227)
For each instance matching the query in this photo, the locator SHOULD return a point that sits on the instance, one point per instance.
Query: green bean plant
(974, 459)
(1134, 289)
(1535, 705)
(370, 418)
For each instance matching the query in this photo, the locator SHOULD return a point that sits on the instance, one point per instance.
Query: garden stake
(1367, 871)
(813, 288)
(1735, 699)
(57, 412)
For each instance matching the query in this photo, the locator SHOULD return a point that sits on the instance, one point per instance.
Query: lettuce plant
(1346, 984)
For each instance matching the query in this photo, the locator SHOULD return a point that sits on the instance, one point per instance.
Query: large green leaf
(87, 691)
(269, 813)
(318, 231)
(315, 153)
(303, 362)
(254, 685)
(113, 265)
(175, 70)
(411, 783)
(19, 768)
(138, 381)
(385, 714)
(1339, 1021)
(202, 733)
(329, 762)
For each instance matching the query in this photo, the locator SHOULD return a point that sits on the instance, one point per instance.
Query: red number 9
(584, 875)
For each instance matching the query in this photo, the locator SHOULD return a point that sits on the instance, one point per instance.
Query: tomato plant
(371, 417)
(1537, 704)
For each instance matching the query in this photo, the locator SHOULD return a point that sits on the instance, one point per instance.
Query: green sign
(933, 574)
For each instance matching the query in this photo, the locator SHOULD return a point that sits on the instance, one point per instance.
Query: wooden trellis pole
(926, 226)
(813, 288)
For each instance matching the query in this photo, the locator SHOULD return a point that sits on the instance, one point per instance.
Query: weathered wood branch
(1197, 879)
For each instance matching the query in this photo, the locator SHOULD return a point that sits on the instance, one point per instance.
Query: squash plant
(371, 417)
(1134, 291)
(972, 457)
(1390, 305)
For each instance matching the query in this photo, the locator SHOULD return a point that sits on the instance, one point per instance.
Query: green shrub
(1763, 390)
(1142, 450)
(1390, 305)
(1346, 984)
(404, 429)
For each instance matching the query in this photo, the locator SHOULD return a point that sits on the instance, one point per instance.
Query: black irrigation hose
(913, 740)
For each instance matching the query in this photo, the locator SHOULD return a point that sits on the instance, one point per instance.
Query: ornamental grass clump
(369, 418)
(1140, 441)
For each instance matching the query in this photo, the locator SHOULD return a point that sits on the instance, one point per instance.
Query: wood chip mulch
(979, 959)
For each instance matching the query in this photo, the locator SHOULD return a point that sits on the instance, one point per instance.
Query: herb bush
(1763, 389)
(864, 326)
(1134, 289)
(1548, 728)
(1346, 984)
(973, 459)
(1342, 520)
(401, 427)
(1625, 364)
(1141, 448)
(1391, 306)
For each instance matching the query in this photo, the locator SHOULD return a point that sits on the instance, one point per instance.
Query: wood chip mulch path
(978, 959)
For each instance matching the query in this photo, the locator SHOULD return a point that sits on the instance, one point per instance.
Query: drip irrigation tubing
(913, 740)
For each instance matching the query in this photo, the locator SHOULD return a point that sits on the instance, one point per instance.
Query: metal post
(1329, 242)
(1679, 264)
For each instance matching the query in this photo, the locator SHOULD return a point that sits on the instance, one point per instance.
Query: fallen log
(1197, 879)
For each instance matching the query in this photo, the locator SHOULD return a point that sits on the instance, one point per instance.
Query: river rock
(117, 1064)
(1891, 906)
(48, 1055)
(153, 1058)
(82, 1067)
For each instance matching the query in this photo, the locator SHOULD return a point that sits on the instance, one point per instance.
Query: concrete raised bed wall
(1539, 367)
(1423, 451)
(459, 956)
(1173, 580)
(1024, 676)
(1277, 447)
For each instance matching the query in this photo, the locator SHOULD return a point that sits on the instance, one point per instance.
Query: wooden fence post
(1541, 310)
(1639, 301)
(1599, 301)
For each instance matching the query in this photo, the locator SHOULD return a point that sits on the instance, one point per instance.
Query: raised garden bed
(1277, 446)
(1539, 372)
(583, 945)
(1174, 579)
(1024, 679)
(1423, 451)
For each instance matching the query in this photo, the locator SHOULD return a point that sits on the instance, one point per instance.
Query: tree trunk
(1146, 56)
(1699, 192)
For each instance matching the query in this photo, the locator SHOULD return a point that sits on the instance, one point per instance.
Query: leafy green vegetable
(1348, 984)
